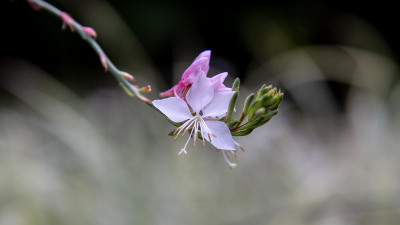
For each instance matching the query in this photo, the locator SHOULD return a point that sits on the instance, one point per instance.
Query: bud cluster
(258, 109)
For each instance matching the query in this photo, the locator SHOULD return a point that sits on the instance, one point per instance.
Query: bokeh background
(75, 149)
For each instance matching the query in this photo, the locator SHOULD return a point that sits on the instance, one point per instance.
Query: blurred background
(75, 149)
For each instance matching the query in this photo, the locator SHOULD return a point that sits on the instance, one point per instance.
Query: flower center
(196, 125)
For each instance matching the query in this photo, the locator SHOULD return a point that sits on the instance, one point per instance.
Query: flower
(199, 65)
(200, 113)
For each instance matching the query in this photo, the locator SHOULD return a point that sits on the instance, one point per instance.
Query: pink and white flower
(199, 65)
(200, 113)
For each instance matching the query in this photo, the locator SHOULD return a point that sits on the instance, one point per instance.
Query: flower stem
(89, 36)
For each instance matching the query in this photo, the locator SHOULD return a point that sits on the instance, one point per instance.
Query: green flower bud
(236, 84)
(260, 111)
(269, 114)
(263, 90)
(276, 101)
(258, 108)
(246, 107)
(251, 111)
(265, 101)
(267, 117)
(232, 105)
(257, 105)
(248, 127)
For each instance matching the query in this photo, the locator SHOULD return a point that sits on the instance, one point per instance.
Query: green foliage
(258, 109)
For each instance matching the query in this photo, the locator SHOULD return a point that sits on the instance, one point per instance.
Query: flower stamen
(231, 165)
(183, 126)
(187, 128)
(183, 151)
(236, 157)
(196, 130)
(228, 154)
(204, 126)
(239, 145)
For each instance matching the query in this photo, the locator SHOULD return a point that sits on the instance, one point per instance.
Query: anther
(236, 157)
(228, 154)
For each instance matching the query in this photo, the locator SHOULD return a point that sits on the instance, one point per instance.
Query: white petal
(223, 139)
(218, 105)
(200, 94)
(174, 108)
(218, 80)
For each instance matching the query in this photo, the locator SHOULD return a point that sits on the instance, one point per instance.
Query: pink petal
(180, 89)
(223, 139)
(200, 93)
(205, 54)
(218, 82)
(174, 108)
(200, 64)
(168, 93)
(218, 105)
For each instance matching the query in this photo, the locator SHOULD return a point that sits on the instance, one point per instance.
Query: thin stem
(75, 26)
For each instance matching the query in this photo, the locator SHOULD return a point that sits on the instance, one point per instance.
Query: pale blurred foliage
(106, 158)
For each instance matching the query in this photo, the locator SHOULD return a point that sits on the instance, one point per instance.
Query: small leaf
(236, 84)
(246, 107)
(232, 105)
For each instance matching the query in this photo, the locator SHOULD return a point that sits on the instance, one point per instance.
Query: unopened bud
(252, 110)
(145, 89)
(248, 102)
(236, 84)
(245, 110)
(260, 111)
(276, 101)
(145, 100)
(231, 107)
(263, 90)
(126, 75)
(90, 31)
(270, 114)
(67, 21)
(265, 97)
(272, 91)
(265, 101)
(267, 117)
(257, 105)
(134, 89)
